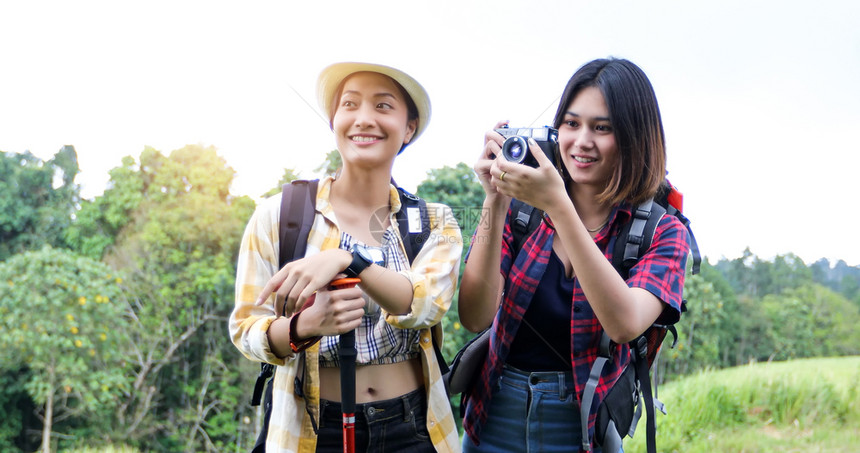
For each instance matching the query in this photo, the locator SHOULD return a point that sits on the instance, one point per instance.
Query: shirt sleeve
(661, 270)
(434, 272)
(257, 263)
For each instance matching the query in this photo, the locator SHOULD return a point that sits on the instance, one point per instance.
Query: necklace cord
(600, 227)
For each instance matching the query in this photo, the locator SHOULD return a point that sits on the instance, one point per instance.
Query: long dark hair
(635, 118)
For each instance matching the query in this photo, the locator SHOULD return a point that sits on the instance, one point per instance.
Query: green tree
(728, 330)
(331, 164)
(179, 250)
(289, 175)
(787, 272)
(99, 222)
(699, 342)
(37, 199)
(458, 188)
(170, 223)
(784, 309)
(757, 277)
(63, 319)
(850, 286)
(811, 321)
(18, 410)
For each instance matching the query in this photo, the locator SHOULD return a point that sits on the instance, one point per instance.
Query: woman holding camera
(375, 112)
(552, 300)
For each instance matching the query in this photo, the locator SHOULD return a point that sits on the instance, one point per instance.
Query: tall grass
(800, 405)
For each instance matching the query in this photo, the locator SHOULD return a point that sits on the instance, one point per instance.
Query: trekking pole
(347, 356)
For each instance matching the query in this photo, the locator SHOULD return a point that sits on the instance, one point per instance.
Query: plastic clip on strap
(637, 232)
(523, 217)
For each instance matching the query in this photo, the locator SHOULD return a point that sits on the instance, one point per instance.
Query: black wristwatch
(361, 260)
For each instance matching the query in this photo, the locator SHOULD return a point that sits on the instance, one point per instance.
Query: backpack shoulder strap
(673, 201)
(604, 354)
(694, 246)
(524, 220)
(631, 242)
(413, 221)
(634, 238)
(298, 206)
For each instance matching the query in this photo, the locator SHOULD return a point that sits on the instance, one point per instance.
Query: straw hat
(331, 77)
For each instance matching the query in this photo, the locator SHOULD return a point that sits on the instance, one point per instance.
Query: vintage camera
(516, 145)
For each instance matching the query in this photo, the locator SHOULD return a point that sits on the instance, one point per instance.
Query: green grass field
(810, 405)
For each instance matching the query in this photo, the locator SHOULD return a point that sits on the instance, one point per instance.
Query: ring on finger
(502, 176)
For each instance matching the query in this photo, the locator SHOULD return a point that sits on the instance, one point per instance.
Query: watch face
(370, 254)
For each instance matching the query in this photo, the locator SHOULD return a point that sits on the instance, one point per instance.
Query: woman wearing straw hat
(375, 112)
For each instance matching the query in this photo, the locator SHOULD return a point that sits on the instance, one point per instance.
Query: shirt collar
(619, 214)
(324, 198)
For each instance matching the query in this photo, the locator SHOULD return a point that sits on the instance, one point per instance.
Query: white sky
(759, 99)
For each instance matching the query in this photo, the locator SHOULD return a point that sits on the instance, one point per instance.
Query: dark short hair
(636, 122)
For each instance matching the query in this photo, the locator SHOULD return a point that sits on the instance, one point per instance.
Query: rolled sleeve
(434, 272)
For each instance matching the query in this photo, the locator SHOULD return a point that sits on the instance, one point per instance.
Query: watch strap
(357, 266)
(296, 344)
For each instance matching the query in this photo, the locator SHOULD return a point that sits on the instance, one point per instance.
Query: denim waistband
(378, 411)
(557, 382)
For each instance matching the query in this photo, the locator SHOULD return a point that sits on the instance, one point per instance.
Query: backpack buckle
(642, 347)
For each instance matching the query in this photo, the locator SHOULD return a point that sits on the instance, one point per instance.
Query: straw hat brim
(331, 77)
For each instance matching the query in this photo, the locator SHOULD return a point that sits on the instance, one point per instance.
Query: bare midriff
(374, 382)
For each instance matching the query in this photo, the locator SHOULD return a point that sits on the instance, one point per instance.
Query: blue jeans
(531, 412)
(398, 424)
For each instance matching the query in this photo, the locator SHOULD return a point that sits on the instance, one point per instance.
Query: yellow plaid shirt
(433, 275)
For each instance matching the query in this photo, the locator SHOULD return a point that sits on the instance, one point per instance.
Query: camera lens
(515, 149)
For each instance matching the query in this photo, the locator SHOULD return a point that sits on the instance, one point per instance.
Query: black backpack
(298, 208)
(620, 411)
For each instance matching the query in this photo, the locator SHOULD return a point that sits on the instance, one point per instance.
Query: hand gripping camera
(516, 145)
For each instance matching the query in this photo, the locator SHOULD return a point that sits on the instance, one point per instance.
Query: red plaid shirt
(660, 271)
